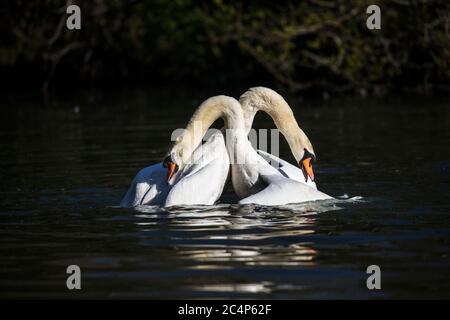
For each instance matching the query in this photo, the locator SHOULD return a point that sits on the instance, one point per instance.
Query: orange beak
(307, 169)
(171, 167)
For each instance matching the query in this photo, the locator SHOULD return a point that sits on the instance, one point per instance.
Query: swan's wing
(204, 187)
(275, 161)
(287, 169)
(203, 181)
(281, 190)
(149, 187)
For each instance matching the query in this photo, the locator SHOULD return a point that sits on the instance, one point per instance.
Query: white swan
(269, 101)
(253, 178)
(202, 179)
(257, 180)
(200, 176)
(150, 186)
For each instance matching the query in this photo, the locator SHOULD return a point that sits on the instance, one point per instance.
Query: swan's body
(281, 190)
(253, 178)
(203, 173)
(256, 181)
(149, 186)
(203, 179)
(286, 169)
(200, 182)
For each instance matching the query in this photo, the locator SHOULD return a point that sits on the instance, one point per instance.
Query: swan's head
(303, 152)
(209, 111)
(171, 166)
(306, 164)
(178, 156)
(268, 100)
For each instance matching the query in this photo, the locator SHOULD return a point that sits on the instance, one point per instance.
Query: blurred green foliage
(308, 45)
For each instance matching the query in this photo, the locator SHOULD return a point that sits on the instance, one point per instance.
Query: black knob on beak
(171, 166)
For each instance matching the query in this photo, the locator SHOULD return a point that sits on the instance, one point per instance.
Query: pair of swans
(193, 173)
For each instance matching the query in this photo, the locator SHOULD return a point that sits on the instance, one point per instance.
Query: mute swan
(253, 178)
(201, 177)
(211, 162)
(269, 101)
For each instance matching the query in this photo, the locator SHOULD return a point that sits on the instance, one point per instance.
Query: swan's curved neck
(209, 111)
(269, 101)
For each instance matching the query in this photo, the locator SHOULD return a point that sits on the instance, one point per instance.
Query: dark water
(65, 167)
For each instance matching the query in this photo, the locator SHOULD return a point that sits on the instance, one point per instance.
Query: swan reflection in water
(223, 238)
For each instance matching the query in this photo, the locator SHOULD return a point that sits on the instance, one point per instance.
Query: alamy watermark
(74, 280)
(374, 20)
(73, 21)
(258, 139)
(374, 280)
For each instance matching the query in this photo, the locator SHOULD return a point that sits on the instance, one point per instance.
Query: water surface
(65, 167)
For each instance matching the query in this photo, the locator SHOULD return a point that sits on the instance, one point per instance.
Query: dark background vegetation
(312, 46)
